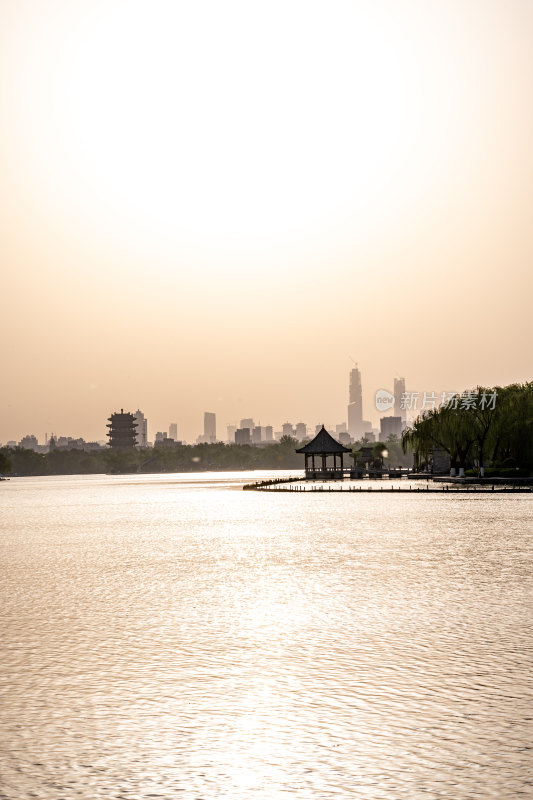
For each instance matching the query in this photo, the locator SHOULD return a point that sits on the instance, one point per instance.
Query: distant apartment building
(341, 428)
(300, 431)
(92, 446)
(210, 427)
(355, 405)
(173, 430)
(399, 391)
(344, 438)
(390, 426)
(287, 429)
(164, 441)
(230, 433)
(69, 443)
(257, 435)
(243, 436)
(269, 433)
(29, 442)
(142, 429)
(247, 423)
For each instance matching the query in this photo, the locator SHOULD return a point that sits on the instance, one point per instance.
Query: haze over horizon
(213, 206)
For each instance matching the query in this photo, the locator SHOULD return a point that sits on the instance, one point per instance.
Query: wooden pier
(303, 485)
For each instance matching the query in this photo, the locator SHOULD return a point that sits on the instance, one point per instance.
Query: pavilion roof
(323, 443)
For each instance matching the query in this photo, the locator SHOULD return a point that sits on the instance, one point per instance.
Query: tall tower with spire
(355, 405)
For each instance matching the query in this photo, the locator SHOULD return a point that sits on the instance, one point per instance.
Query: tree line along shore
(175, 458)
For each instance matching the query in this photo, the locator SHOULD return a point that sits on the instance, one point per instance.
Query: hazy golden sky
(212, 205)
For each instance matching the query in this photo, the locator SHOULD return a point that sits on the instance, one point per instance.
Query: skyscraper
(210, 427)
(142, 429)
(242, 436)
(231, 433)
(355, 405)
(399, 390)
(173, 430)
(390, 426)
(300, 431)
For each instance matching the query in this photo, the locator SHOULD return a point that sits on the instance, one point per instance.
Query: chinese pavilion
(122, 430)
(322, 447)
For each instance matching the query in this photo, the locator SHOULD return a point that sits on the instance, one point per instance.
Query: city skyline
(401, 409)
(296, 429)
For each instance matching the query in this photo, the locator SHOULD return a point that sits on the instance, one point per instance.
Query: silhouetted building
(231, 433)
(390, 425)
(160, 437)
(165, 441)
(440, 461)
(247, 423)
(355, 405)
(29, 442)
(287, 429)
(173, 430)
(122, 430)
(142, 429)
(242, 436)
(269, 433)
(399, 390)
(319, 449)
(210, 427)
(257, 435)
(69, 443)
(300, 431)
(344, 438)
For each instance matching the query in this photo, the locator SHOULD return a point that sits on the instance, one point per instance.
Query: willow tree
(447, 427)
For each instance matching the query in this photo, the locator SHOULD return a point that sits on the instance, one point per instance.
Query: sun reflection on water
(174, 640)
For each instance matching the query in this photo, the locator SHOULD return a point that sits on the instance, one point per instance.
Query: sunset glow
(192, 167)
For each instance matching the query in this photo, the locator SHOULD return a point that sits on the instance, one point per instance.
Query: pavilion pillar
(323, 462)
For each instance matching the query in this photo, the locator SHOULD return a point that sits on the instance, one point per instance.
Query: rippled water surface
(176, 637)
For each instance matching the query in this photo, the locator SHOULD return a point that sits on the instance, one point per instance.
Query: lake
(171, 636)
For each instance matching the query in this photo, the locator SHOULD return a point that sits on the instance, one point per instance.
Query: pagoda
(122, 430)
(322, 447)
